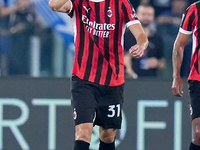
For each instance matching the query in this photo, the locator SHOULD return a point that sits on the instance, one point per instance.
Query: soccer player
(97, 82)
(190, 24)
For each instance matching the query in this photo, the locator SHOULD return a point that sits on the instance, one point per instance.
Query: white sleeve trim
(70, 8)
(132, 22)
(185, 31)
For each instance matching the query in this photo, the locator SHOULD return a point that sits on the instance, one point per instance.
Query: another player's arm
(60, 5)
(177, 58)
(5, 11)
(137, 50)
(128, 64)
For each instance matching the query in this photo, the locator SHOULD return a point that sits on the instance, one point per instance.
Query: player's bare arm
(128, 64)
(60, 5)
(177, 58)
(137, 50)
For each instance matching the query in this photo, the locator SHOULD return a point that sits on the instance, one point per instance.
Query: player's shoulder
(193, 6)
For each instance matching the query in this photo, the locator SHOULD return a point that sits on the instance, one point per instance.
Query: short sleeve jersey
(191, 24)
(99, 26)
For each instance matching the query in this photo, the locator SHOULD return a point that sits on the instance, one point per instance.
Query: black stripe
(82, 35)
(91, 50)
(116, 36)
(96, 40)
(184, 18)
(109, 75)
(106, 46)
(125, 13)
(196, 64)
(191, 20)
(106, 40)
(99, 68)
(97, 12)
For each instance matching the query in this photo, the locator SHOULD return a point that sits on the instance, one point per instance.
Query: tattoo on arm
(176, 54)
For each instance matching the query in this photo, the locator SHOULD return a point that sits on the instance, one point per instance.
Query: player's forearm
(139, 34)
(142, 40)
(177, 58)
(60, 5)
(127, 60)
(128, 65)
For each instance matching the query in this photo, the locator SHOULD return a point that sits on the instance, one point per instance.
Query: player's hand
(137, 51)
(131, 73)
(177, 87)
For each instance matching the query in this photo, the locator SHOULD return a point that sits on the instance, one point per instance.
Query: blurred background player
(23, 25)
(18, 22)
(161, 6)
(190, 24)
(7, 8)
(174, 15)
(153, 58)
(158, 5)
(98, 72)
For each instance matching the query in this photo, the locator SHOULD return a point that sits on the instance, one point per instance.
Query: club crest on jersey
(74, 114)
(109, 12)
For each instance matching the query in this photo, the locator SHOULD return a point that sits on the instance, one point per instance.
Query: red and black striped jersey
(191, 24)
(99, 27)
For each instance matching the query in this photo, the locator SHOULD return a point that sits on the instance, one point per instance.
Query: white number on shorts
(112, 109)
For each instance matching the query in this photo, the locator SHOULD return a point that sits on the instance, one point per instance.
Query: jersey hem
(192, 78)
(120, 81)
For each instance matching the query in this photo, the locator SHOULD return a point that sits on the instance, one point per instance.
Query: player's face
(145, 15)
(179, 6)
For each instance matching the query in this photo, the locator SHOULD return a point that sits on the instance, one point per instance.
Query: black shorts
(97, 104)
(194, 91)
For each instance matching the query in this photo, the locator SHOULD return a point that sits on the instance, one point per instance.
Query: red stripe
(193, 72)
(187, 17)
(75, 69)
(120, 48)
(111, 44)
(86, 45)
(129, 10)
(101, 45)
